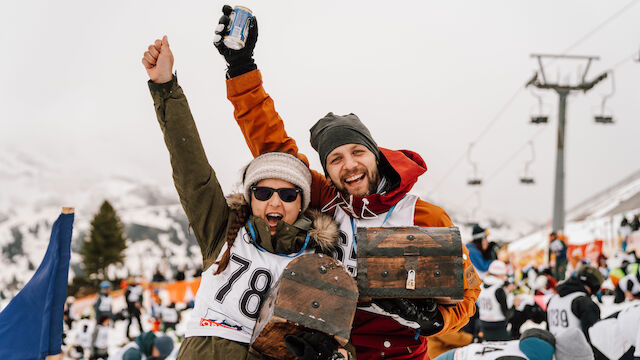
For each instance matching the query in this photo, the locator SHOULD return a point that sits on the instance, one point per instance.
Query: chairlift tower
(539, 80)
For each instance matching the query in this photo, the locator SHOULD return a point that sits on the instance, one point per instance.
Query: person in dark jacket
(572, 306)
(558, 247)
(133, 296)
(103, 304)
(628, 288)
(158, 276)
(180, 274)
(635, 224)
(481, 251)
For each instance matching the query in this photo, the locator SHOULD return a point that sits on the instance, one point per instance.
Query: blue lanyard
(353, 227)
(253, 237)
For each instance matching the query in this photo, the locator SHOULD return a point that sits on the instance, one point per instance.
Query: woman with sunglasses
(247, 239)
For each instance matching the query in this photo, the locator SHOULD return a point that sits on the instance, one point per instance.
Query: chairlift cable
(601, 25)
(624, 60)
(512, 98)
(484, 131)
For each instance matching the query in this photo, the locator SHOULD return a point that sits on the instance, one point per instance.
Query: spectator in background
(133, 295)
(624, 231)
(535, 344)
(103, 304)
(100, 338)
(158, 276)
(635, 224)
(558, 247)
(572, 306)
(67, 314)
(156, 310)
(170, 317)
(544, 286)
(198, 272)
(494, 312)
(146, 346)
(602, 266)
(618, 336)
(76, 352)
(83, 339)
(481, 252)
(628, 288)
(180, 274)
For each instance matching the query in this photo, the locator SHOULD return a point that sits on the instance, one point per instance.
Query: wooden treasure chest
(314, 291)
(410, 262)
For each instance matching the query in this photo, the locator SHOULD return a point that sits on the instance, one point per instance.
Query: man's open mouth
(354, 179)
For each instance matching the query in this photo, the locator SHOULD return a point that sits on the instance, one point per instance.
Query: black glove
(238, 61)
(422, 311)
(311, 345)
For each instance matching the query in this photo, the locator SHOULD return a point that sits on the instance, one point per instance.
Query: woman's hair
(238, 221)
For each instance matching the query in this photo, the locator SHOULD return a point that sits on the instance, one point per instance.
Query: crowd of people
(560, 297)
(96, 323)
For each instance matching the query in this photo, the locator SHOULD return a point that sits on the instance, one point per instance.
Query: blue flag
(31, 325)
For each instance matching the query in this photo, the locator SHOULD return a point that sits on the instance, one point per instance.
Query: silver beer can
(239, 28)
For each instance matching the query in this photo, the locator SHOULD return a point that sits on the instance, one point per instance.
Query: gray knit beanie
(333, 131)
(278, 165)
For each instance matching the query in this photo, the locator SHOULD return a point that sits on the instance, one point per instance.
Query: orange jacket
(264, 132)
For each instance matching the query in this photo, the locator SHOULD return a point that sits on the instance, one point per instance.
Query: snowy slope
(33, 194)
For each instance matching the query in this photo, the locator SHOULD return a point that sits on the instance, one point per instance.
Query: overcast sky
(423, 75)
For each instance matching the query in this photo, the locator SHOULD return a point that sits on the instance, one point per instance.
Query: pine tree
(105, 244)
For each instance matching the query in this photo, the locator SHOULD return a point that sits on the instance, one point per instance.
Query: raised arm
(255, 113)
(200, 193)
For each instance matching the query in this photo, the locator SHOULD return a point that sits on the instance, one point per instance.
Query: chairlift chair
(540, 117)
(475, 180)
(605, 117)
(527, 179)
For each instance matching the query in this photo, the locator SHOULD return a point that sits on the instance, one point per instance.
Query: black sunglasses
(263, 193)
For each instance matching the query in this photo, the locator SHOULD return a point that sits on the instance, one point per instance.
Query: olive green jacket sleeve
(199, 190)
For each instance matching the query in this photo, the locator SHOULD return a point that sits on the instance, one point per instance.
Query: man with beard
(363, 186)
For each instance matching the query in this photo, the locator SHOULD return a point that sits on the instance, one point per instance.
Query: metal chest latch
(411, 280)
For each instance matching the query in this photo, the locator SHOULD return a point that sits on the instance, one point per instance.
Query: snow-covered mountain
(33, 194)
